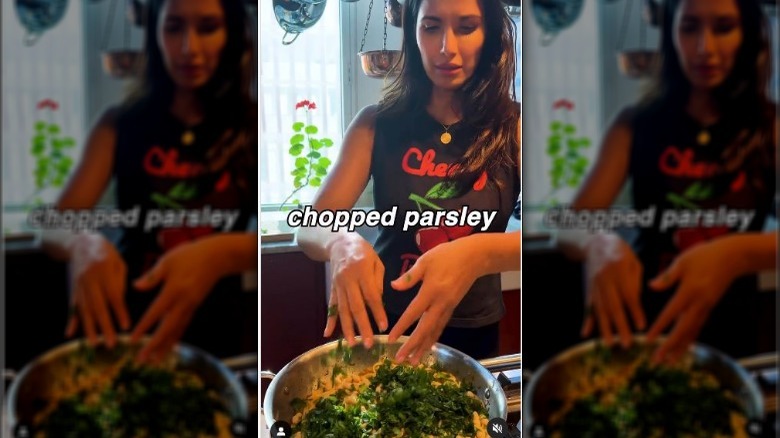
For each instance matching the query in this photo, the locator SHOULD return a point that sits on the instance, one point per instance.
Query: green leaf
(58, 181)
(297, 126)
(298, 182)
(553, 148)
(573, 182)
(315, 182)
(296, 149)
(314, 143)
(38, 148)
(311, 129)
(326, 142)
(320, 171)
(314, 154)
(572, 144)
(297, 138)
(324, 162)
(442, 190)
(299, 172)
(40, 126)
(584, 142)
(301, 161)
(569, 129)
(68, 142)
(555, 126)
(54, 129)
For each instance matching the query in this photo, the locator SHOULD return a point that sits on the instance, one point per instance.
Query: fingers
(374, 300)
(602, 317)
(410, 315)
(633, 284)
(681, 337)
(673, 309)
(619, 320)
(347, 324)
(151, 278)
(160, 305)
(358, 308)
(170, 331)
(412, 277)
(668, 278)
(87, 321)
(73, 324)
(333, 314)
(100, 311)
(116, 295)
(418, 343)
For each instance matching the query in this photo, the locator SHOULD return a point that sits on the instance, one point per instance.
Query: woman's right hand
(97, 283)
(356, 284)
(614, 277)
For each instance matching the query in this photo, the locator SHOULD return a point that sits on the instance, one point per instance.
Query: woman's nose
(706, 42)
(191, 42)
(448, 42)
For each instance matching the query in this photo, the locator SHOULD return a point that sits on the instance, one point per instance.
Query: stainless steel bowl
(35, 382)
(555, 379)
(380, 63)
(297, 378)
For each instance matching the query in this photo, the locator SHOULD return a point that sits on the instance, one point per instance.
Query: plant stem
(308, 175)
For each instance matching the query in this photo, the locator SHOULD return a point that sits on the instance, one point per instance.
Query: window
(308, 69)
(52, 68)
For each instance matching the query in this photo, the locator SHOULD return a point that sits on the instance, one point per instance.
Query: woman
(445, 135)
(184, 140)
(703, 139)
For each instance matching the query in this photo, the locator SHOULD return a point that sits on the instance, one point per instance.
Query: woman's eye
(172, 28)
(724, 28)
(467, 29)
(208, 28)
(689, 28)
(430, 28)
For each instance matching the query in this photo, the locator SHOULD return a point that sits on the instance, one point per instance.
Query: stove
(763, 369)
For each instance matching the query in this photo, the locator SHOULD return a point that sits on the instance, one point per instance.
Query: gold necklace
(187, 137)
(446, 137)
(704, 137)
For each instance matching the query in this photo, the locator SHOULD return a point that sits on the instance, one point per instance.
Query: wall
(569, 67)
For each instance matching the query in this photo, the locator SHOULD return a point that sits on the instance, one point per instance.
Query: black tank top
(676, 164)
(408, 164)
(154, 169)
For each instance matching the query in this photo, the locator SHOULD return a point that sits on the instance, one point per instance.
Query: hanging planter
(295, 16)
(553, 16)
(38, 16)
(635, 63)
(119, 63)
(378, 63)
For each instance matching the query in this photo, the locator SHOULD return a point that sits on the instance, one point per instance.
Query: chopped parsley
(421, 401)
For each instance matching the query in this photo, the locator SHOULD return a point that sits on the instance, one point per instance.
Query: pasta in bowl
(333, 390)
(593, 391)
(75, 390)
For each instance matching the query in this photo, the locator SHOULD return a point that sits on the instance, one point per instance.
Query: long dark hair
(742, 96)
(487, 97)
(225, 96)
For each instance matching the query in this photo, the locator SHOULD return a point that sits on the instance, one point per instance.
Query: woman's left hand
(447, 272)
(187, 274)
(703, 272)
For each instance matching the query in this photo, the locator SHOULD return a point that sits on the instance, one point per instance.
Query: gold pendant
(703, 138)
(187, 138)
(446, 138)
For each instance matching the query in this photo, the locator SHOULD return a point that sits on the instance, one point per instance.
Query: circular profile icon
(23, 430)
(498, 428)
(239, 428)
(281, 429)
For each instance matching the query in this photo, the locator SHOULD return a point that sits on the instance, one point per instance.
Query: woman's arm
(603, 182)
(87, 184)
(343, 186)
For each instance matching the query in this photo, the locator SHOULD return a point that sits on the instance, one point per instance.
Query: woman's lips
(707, 71)
(448, 69)
(191, 70)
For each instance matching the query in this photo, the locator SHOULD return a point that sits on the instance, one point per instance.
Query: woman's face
(191, 35)
(707, 36)
(450, 34)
